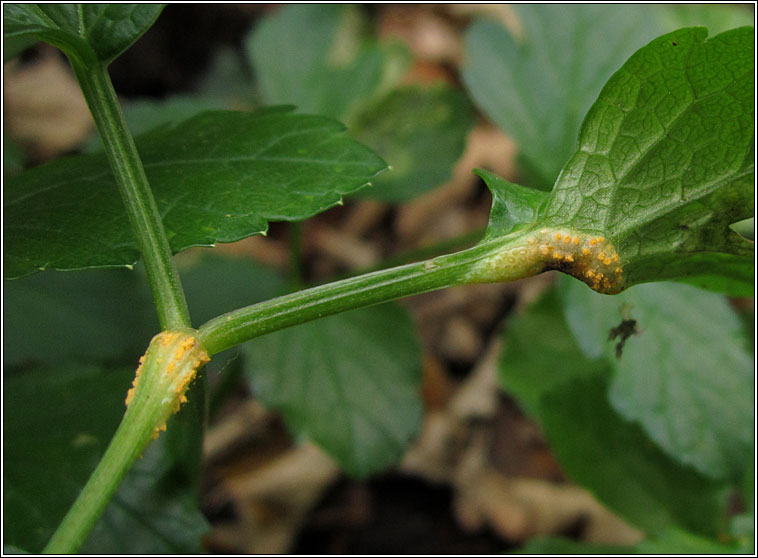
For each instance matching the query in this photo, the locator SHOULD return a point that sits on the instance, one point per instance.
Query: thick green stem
(467, 266)
(146, 222)
(169, 365)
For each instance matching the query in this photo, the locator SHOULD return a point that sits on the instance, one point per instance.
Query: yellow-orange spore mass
(590, 258)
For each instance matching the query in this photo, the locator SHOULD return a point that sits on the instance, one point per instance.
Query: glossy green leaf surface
(684, 374)
(537, 86)
(665, 159)
(217, 177)
(421, 132)
(57, 422)
(143, 115)
(513, 206)
(349, 382)
(87, 32)
(566, 392)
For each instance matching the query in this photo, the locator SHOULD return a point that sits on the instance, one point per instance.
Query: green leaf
(52, 317)
(308, 55)
(227, 79)
(513, 206)
(748, 485)
(677, 541)
(143, 115)
(14, 46)
(537, 87)
(154, 511)
(742, 530)
(561, 545)
(316, 57)
(616, 461)
(14, 157)
(244, 282)
(683, 373)
(88, 32)
(217, 177)
(717, 18)
(420, 132)
(57, 423)
(566, 392)
(665, 159)
(539, 354)
(101, 315)
(349, 382)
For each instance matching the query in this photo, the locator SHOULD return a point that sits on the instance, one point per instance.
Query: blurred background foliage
(486, 402)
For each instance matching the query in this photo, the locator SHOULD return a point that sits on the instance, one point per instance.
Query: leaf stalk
(146, 221)
(450, 270)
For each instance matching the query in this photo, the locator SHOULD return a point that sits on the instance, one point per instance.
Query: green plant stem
(450, 270)
(146, 222)
(169, 365)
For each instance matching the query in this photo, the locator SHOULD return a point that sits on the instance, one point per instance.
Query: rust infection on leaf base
(590, 258)
(183, 357)
(130, 393)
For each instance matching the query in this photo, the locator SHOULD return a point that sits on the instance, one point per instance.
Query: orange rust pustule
(591, 259)
(180, 356)
(130, 393)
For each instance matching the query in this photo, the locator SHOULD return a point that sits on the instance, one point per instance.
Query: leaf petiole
(137, 196)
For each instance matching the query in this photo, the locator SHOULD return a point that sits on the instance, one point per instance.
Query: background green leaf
(665, 158)
(421, 132)
(318, 58)
(14, 156)
(298, 60)
(155, 509)
(217, 177)
(615, 460)
(57, 423)
(84, 31)
(539, 354)
(685, 376)
(349, 382)
(567, 393)
(538, 86)
(561, 545)
(716, 17)
(677, 541)
(101, 315)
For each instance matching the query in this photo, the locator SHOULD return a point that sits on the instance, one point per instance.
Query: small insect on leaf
(624, 331)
